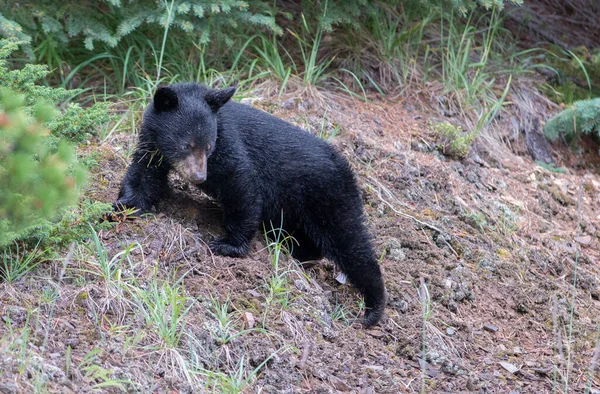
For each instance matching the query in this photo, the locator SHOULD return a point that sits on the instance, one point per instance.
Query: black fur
(258, 167)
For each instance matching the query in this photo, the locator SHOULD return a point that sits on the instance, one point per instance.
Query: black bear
(260, 169)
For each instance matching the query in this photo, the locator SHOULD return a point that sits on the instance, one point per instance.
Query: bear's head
(183, 121)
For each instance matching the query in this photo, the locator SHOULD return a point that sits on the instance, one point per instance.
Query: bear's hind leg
(303, 248)
(350, 247)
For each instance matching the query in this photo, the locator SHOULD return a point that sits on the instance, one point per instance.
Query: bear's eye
(208, 147)
(187, 146)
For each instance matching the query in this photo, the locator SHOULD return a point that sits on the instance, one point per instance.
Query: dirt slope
(479, 263)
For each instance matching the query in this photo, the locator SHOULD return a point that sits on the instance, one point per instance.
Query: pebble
(8, 388)
(490, 328)
(585, 240)
(509, 367)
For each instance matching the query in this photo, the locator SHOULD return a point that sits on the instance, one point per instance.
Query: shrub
(75, 122)
(109, 21)
(452, 140)
(34, 181)
(582, 118)
(39, 172)
(55, 23)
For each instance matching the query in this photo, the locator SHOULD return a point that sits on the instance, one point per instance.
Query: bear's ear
(216, 98)
(165, 99)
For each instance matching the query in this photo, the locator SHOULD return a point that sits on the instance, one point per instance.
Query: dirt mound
(479, 265)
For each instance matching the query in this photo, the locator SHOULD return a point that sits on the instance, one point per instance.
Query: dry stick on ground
(305, 352)
(389, 194)
(63, 270)
(572, 311)
(557, 332)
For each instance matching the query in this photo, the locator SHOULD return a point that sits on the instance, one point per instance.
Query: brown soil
(479, 264)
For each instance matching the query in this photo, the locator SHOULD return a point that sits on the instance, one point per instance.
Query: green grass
(328, 133)
(274, 59)
(164, 306)
(237, 381)
(223, 329)
(551, 167)
(152, 317)
(100, 378)
(342, 314)
(108, 271)
(18, 262)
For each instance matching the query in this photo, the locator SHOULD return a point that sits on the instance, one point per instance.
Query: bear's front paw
(223, 247)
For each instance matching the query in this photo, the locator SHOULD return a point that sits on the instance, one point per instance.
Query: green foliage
(582, 118)
(159, 41)
(51, 25)
(164, 308)
(108, 22)
(75, 122)
(577, 74)
(34, 181)
(452, 140)
(551, 167)
(39, 172)
(14, 263)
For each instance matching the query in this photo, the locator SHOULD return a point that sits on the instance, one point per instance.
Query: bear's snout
(193, 167)
(198, 178)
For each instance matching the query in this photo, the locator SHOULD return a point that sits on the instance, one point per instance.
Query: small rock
(289, 104)
(54, 355)
(8, 388)
(420, 147)
(341, 278)
(512, 201)
(490, 328)
(72, 341)
(339, 384)
(377, 333)
(517, 350)
(374, 367)
(452, 306)
(301, 285)
(250, 100)
(561, 183)
(585, 240)
(449, 331)
(250, 321)
(403, 306)
(254, 293)
(395, 250)
(509, 367)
